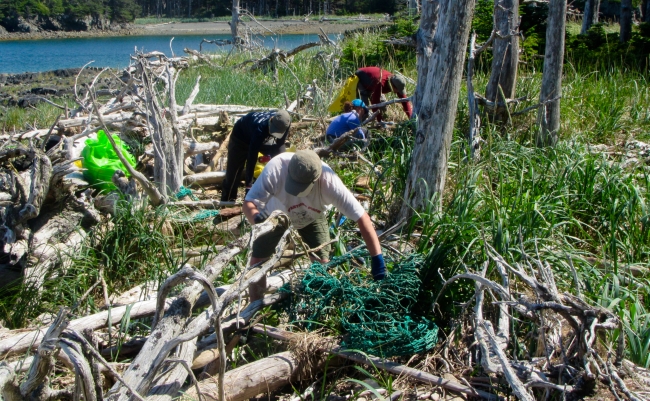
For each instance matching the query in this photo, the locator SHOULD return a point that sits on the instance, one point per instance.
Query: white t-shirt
(269, 195)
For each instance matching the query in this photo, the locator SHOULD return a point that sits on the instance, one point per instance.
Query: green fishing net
(375, 315)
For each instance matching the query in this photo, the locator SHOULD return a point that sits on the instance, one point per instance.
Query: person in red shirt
(373, 82)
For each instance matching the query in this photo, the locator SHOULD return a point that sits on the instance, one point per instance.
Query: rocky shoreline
(114, 30)
(191, 28)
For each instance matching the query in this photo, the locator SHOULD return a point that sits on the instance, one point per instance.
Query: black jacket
(253, 130)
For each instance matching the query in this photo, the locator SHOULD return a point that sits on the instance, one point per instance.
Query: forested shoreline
(75, 15)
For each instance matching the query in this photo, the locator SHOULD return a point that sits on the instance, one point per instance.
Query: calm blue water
(53, 54)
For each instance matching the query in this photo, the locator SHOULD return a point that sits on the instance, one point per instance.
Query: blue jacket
(344, 123)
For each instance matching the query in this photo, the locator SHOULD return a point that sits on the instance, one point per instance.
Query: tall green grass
(571, 206)
(567, 206)
(134, 247)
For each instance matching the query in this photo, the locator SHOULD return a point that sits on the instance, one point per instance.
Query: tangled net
(376, 315)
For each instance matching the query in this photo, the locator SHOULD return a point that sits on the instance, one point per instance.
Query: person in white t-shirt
(302, 186)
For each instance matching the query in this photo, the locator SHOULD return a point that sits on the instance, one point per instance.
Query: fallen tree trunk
(262, 376)
(211, 178)
(192, 148)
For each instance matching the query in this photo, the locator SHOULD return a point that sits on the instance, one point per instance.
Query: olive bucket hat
(305, 169)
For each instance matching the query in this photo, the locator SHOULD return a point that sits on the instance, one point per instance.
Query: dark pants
(314, 235)
(237, 155)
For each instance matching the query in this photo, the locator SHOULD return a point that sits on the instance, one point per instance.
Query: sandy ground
(276, 26)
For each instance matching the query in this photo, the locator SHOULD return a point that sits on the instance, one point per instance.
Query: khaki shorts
(314, 235)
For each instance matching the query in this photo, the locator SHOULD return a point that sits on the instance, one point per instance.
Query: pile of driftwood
(40, 166)
(192, 333)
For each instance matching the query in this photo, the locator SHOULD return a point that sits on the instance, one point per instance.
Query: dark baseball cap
(279, 123)
(305, 169)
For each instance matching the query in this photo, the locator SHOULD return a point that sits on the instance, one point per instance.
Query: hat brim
(296, 188)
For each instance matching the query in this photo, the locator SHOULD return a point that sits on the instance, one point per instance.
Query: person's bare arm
(369, 235)
(250, 210)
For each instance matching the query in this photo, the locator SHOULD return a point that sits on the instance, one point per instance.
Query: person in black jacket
(256, 132)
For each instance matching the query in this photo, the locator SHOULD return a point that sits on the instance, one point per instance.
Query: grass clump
(136, 246)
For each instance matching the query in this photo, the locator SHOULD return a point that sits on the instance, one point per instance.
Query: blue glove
(258, 218)
(378, 267)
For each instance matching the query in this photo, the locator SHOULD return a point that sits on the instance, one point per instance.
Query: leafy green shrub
(365, 48)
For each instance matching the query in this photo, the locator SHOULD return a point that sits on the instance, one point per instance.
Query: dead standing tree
(234, 23)
(548, 117)
(590, 15)
(440, 70)
(505, 57)
(626, 21)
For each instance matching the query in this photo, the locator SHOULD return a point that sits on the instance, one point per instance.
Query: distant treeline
(127, 10)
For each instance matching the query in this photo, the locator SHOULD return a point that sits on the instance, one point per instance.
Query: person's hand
(378, 267)
(258, 218)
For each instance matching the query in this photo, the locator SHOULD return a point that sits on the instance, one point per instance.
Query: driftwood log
(259, 377)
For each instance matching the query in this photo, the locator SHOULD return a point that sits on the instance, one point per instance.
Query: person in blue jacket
(256, 132)
(353, 115)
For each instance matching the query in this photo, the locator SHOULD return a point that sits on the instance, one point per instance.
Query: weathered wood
(190, 99)
(548, 117)
(473, 137)
(23, 340)
(262, 376)
(588, 16)
(192, 148)
(82, 121)
(518, 387)
(204, 110)
(626, 21)
(204, 204)
(43, 361)
(199, 56)
(234, 25)
(382, 364)
(505, 56)
(175, 328)
(52, 244)
(436, 97)
(211, 178)
(9, 390)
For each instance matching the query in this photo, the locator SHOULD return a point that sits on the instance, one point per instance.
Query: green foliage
(606, 50)
(131, 248)
(366, 48)
(483, 21)
(404, 26)
(118, 10)
(125, 10)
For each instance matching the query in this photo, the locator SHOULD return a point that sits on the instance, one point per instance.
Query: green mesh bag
(100, 160)
(376, 316)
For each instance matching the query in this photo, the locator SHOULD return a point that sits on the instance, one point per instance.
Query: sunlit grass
(569, 205)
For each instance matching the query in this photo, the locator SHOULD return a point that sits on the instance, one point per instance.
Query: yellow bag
(348, 94)
(260, 166)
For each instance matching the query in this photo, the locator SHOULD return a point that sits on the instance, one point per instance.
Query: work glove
(258, 218)
(378, 267)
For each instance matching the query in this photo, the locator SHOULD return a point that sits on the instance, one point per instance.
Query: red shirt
(377, 81)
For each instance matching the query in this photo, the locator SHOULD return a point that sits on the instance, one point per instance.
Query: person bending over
(256, 132)
(353, 114)
(301, 185)
(373, 82)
